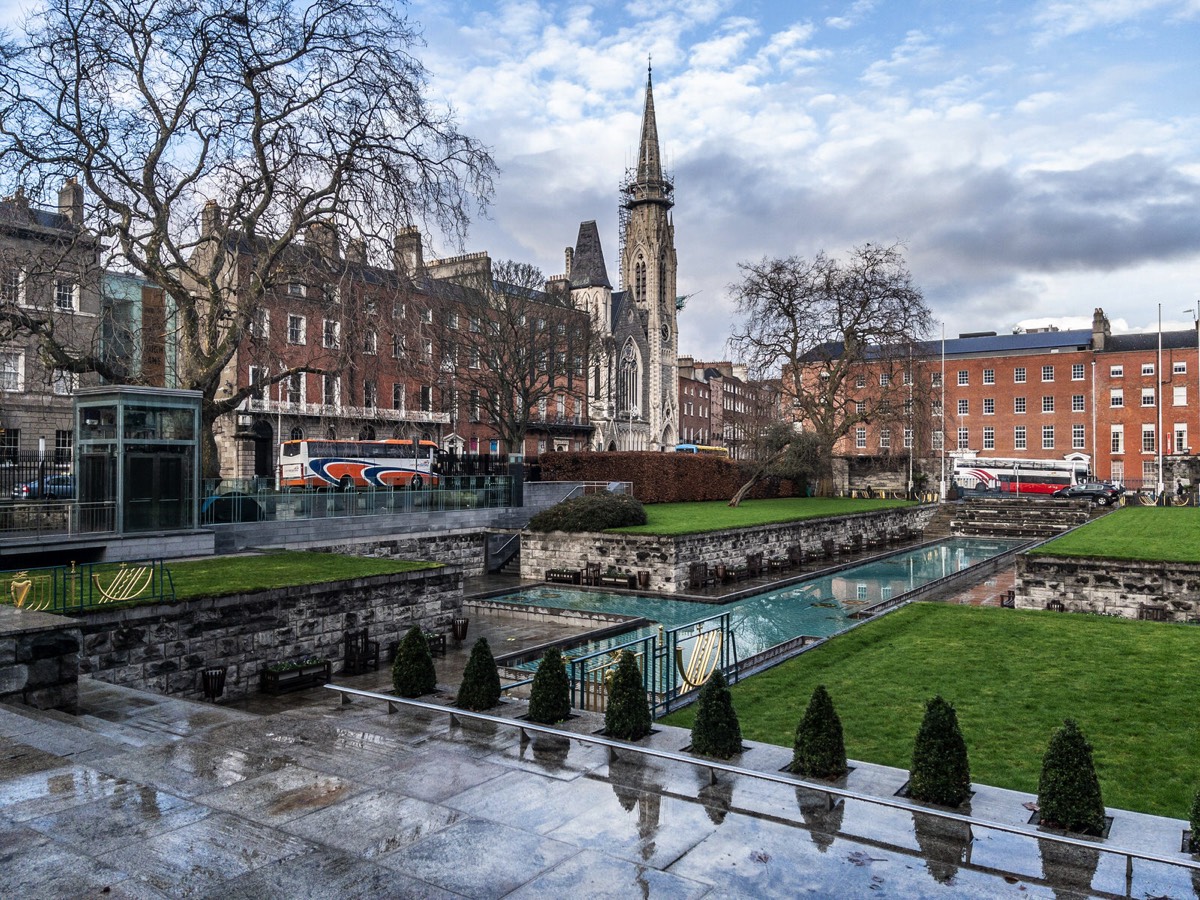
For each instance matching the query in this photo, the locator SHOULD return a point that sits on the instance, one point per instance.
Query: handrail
(714, 766)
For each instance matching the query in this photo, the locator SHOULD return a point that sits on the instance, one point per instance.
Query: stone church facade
(633, 392)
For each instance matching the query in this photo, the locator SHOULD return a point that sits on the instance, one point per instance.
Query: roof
(587, 263)
(1148, 340)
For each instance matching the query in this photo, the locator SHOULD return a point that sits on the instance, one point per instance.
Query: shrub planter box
(298, 678)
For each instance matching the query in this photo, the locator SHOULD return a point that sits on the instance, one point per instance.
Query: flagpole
(1159, 402)
(943, 411)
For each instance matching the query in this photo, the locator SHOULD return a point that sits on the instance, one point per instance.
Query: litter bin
(458, 627)
(213, 680)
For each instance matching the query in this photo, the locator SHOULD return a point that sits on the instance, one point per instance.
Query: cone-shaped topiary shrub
(820, 751)
(1068, 790)
(940, 771)
(480, 688)
(412, 670)
(1194, 823)
(550, 695)
(715, 731)
(628, 713)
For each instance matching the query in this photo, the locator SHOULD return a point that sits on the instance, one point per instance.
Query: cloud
(852, 16)
(1060, 18)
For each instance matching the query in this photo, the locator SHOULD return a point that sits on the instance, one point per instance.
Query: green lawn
(222, 576)
(1154, 533)
(716, 515)
(1013, 676)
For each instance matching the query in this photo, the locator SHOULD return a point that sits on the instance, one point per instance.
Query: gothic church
(633, 390)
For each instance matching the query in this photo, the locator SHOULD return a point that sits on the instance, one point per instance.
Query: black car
(1100, 492)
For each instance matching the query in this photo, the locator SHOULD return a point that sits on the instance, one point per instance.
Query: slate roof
(587, 264)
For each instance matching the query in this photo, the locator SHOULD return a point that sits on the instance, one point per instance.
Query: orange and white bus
(358, 464)
(1018, 476)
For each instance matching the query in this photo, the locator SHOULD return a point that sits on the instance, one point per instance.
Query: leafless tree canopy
(516, 344)
(842, 335)
(285, 113)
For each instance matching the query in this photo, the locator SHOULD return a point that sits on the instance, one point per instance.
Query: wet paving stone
(194, 860)
(374, 823)
(480, 859)
(537, 803)
(17, 759)
(35, 866)
(282, 795)
(53, 790)
(189, 769)
(599, 877)
(435, 776)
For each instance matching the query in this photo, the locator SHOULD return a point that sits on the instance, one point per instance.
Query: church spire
(649, 185)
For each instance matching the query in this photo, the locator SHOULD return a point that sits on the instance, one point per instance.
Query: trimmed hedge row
(665, 477)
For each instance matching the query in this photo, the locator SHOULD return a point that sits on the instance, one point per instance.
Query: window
(427, 316)
(884, 379)
(371, 307)
(258, 377)
(294, 388)
(560, 406)
(1181, 440)
(1147, 396)
(1077, 437)
(1019, 406)
(860, 438)
(1047, 437)
(260, 324)
(964, 407)
(1048, 404)
(1077, 403)
(541, 408)
(1118, 471)
(1179, 368)
(885, 438)
(860, 381)
(65, 294)
(331, 333)
(399, 345)
(1077, 371)
(964, 438)
(296, 331)
(476, 325)
(296, 289)
(860, 408)
(1147, 368)
(398, 310)
(473, 411)
(427, 349)
(10, 444)
(989, 406)
(1179, 396)
(452, 321)
(860, 592)
(964, 377)
(370, 395)
(1116, 397)
(64, 382)
(370, 341)
(1147, 438)
(1019, 375)
(426, 398)
(331, 392)
(1117, 439)
(397, 395)
(63, 445)
(989, 376)
(989, 438)
(938, 440)
(908, 438)
(1149, 472)
(1116, 371)
(1047, 373)
(12, 286)
(935, 379)
(473, 358)
(936, 407)
(1019, 442)
(12, 371)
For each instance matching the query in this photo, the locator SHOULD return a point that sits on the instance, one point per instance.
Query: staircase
(939, 524)
(1017, 517)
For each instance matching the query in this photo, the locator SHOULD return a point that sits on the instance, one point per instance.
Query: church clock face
(666, 333)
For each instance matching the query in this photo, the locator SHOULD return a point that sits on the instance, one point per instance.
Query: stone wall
(668, 558)
(465, 549)
(164, 647)
(39, 659)
(1110, 587)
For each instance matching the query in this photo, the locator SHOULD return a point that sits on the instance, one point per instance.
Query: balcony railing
(337, 411)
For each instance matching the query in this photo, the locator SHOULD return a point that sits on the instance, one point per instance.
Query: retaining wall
(164, 647)
(1170, 592)
(668, 558)
(39, 659)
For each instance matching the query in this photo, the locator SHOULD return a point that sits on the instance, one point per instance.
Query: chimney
(70, 201)
(323, 238)
(1101, 331)
(407, 254)
(356, 252)
(569, 255)
(210, 218)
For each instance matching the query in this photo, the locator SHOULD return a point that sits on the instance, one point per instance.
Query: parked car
(228, 508)
(51, 487)
(1100, 492)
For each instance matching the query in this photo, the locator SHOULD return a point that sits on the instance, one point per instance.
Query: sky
(1035, 159)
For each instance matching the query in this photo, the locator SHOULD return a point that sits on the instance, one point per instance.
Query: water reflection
(1068, 868)
(717, 797)
(822, 814)
(638, 785)
(945, 845)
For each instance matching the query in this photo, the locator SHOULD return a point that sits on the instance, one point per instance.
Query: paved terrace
(301, 796)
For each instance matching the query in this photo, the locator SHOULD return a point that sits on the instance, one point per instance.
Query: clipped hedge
(666, 477)
(820, 750)
(591, 512)
(716, 731)
(550, 694)
(412, 671)
(1194, 823)
(480, 688)
(941, 772)
(1068, 790)
(627, 716)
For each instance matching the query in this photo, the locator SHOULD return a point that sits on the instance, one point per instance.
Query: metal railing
(63, 589)
(26, 520)
(715, 766)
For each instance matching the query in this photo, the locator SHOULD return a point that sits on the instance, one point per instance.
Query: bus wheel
(416, 483)
(346, 484)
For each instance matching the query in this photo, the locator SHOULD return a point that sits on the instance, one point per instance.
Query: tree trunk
(756, 477)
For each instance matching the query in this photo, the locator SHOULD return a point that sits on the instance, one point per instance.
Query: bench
(361, 653)
(564, 576)
(436, 641)
(618, 580)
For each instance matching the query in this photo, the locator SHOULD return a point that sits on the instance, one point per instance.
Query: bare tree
(842, 336)
(203, 130)
(515, 344)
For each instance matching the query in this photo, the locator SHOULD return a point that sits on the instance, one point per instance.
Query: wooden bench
(618, 580)
(564, 576)
(361, 653)
(436, 641)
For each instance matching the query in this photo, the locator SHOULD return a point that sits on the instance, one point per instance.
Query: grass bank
(717, 515)
(1147, 533)
(1013, 676)
(222, 576)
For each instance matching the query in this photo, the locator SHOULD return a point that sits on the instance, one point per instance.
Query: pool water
(817, 607)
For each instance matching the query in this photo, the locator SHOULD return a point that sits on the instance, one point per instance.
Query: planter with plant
(550, 694)
(286, 677)
(413, 674)
(627, 716)
(819, 750)
(940, 770)
(716, 731)
(1068, 789)
(480, 688)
